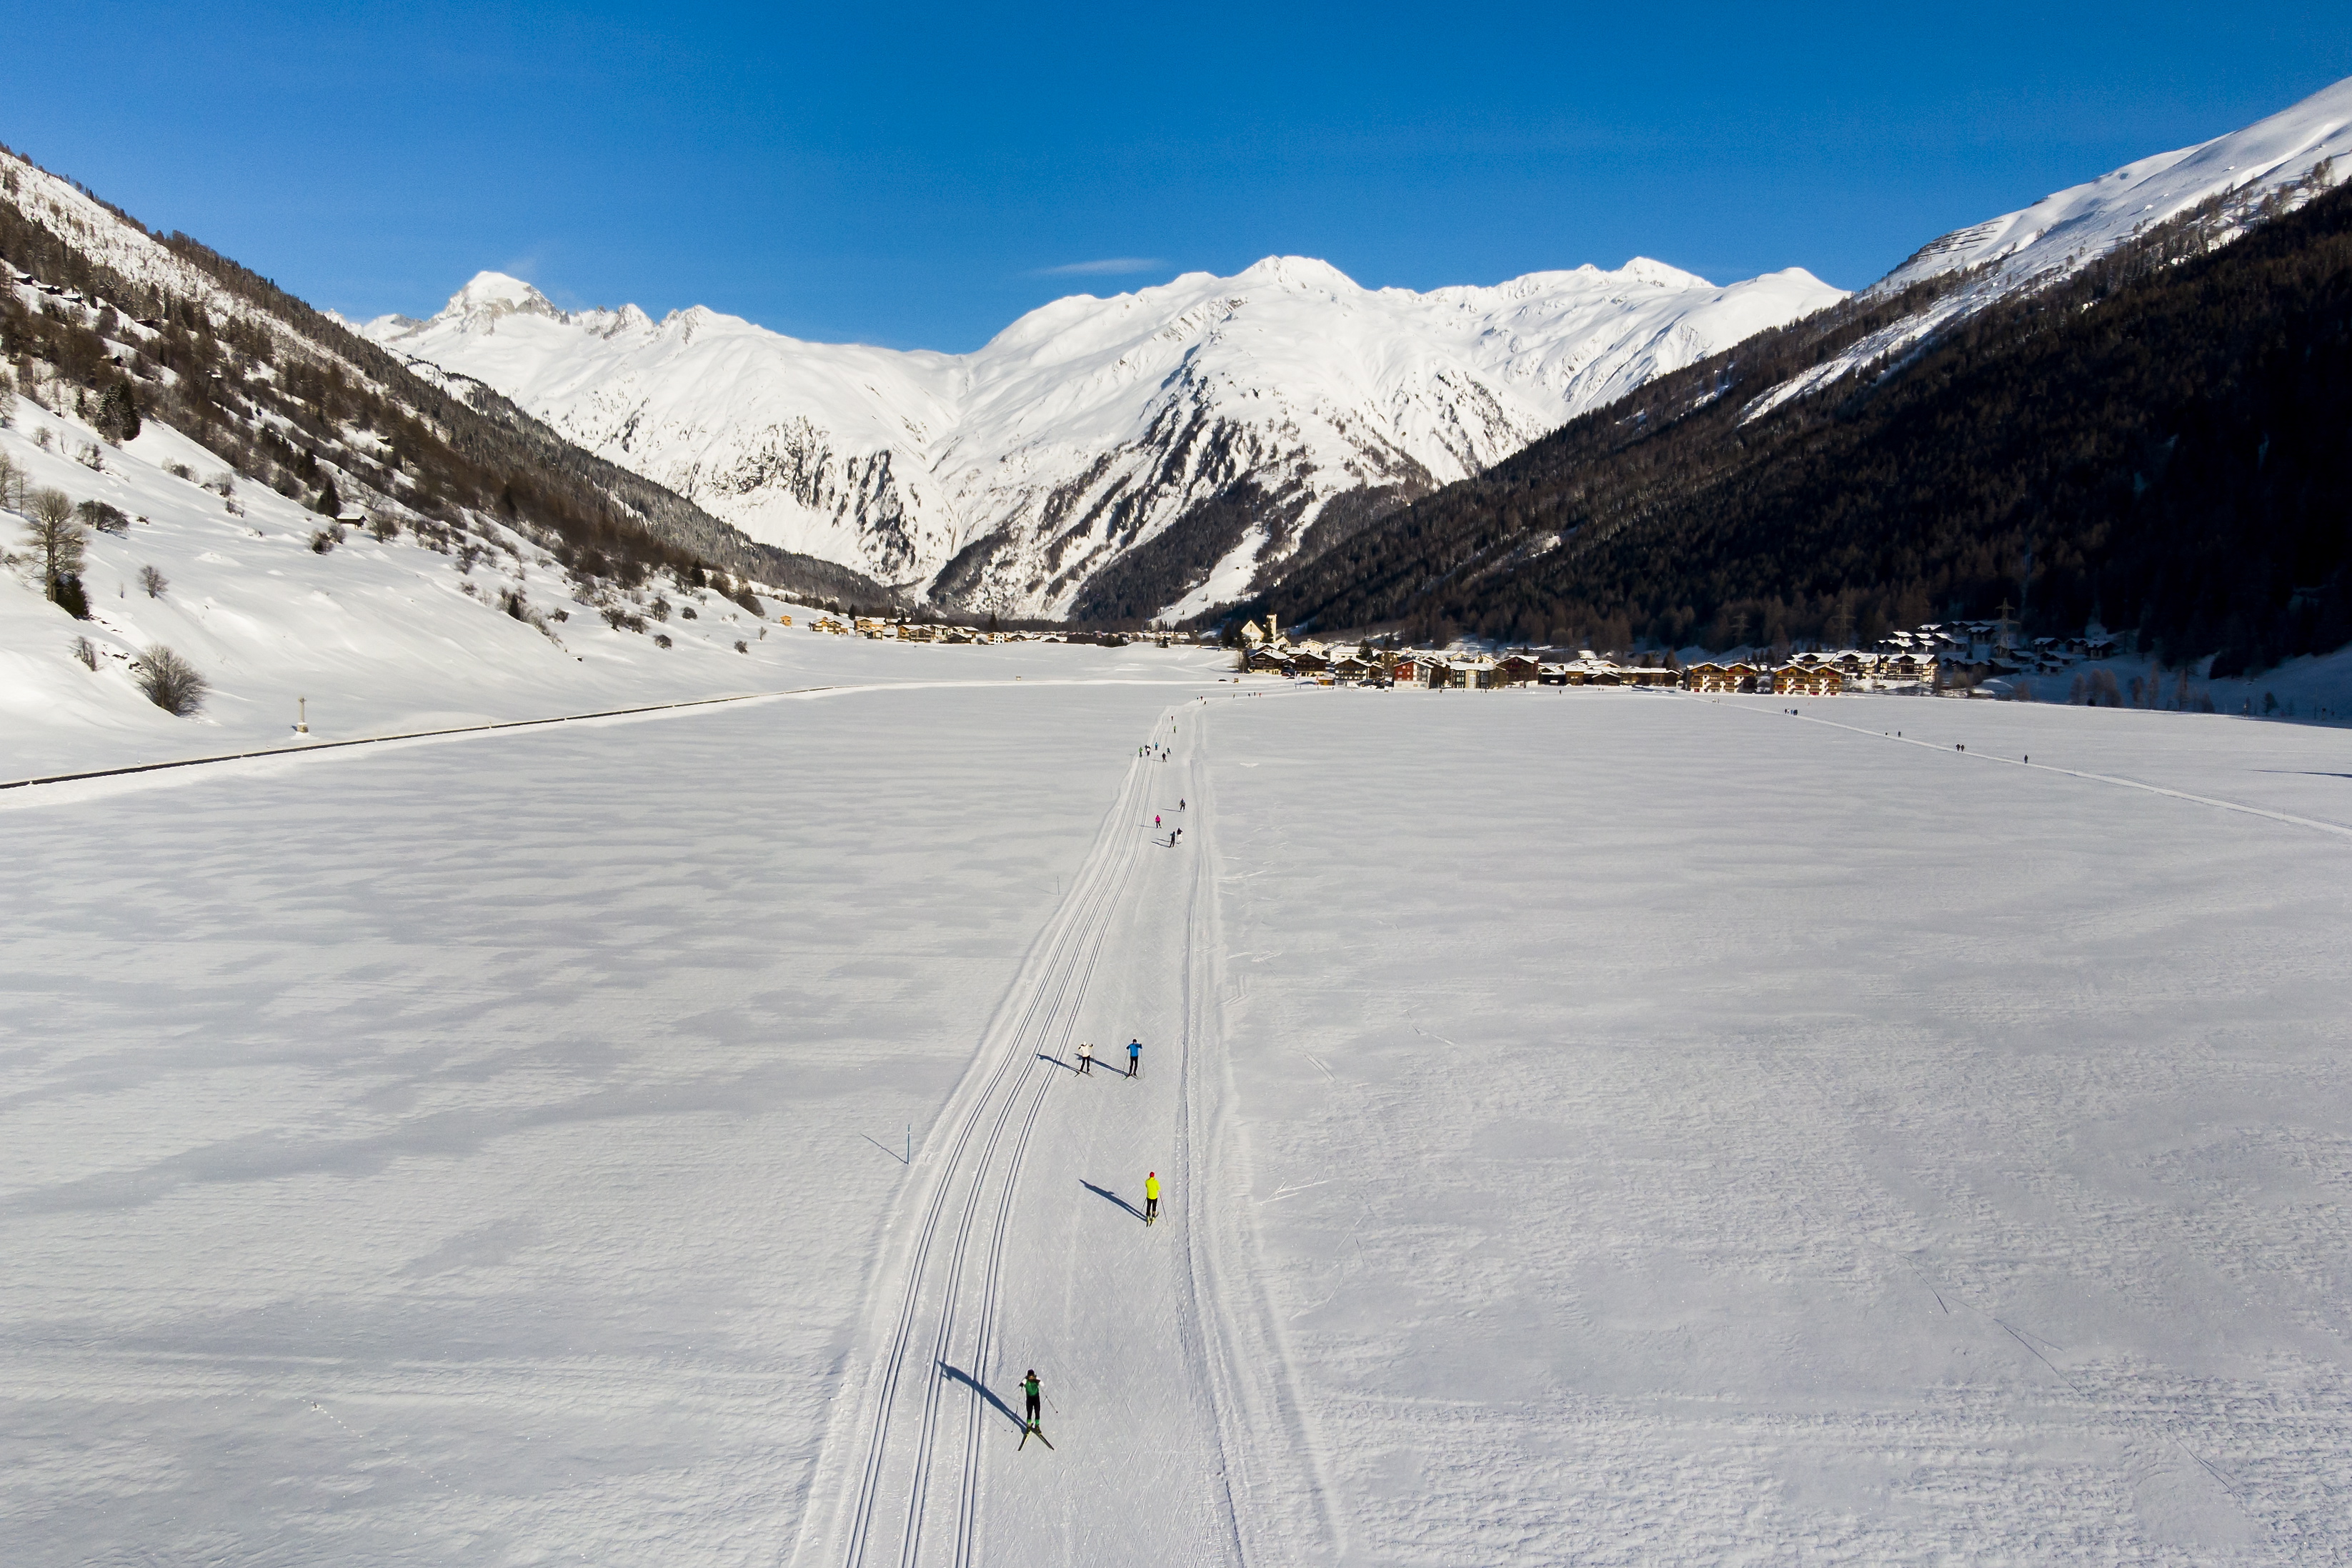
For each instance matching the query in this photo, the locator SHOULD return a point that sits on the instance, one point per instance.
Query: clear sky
(918, 176)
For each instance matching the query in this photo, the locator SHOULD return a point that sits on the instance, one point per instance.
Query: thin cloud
(1110, 267)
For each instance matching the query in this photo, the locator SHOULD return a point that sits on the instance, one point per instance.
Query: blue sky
(918, 177)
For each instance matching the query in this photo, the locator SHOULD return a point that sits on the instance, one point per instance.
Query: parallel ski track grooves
(1087, 915)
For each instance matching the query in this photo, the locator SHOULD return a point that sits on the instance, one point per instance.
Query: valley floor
(1596, 1127)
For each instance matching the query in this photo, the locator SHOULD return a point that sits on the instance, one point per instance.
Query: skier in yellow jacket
(1152, 1197)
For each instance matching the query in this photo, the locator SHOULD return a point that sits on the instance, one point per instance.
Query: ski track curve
(948, 1301)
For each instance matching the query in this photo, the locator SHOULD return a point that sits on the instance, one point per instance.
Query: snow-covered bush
(86, 652)
(99, 517)
(326, 539)
(169, 682)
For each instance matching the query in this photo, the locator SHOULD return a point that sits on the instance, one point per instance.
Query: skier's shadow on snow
(958, 1375)
(1107, 1195)
(1056, 1062)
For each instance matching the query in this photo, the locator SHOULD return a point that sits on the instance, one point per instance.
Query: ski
(1030, 1432)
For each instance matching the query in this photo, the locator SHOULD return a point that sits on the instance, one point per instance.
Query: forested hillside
(123, 325)
(2160, 441)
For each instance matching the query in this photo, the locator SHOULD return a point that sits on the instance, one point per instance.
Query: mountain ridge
(1010, 477)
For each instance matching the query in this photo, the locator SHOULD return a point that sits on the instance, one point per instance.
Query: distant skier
(1034, 1397)
(1152, 1197)
(1086, 1060)
(1134, 1057)
(1155, 819)
(1180, 803)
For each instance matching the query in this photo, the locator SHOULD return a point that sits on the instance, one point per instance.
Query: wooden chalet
(1517, 670)
(1807, 681)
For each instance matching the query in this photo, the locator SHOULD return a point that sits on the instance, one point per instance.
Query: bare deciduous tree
(51, 528)
(154, 583)
(171, 682)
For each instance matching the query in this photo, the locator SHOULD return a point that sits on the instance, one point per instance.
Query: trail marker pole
(301, 716)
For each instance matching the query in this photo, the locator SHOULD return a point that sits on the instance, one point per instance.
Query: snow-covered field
(377, 636)
(1597, 1126)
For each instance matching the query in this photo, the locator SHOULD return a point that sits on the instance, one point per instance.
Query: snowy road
(1027, 1247)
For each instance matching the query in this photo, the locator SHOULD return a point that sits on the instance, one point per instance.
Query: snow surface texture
(1007, 477)
(2066, 232)
(1907, 1154)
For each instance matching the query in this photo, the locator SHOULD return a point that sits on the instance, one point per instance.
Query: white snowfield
(1008, 477)
(1595, 1126)
(379, 637)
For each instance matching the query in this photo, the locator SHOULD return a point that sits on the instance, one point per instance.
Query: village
(1957, 658)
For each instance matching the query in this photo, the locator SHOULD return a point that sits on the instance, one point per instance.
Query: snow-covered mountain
(2068, 229)
(2216, 190)
(1150, 452)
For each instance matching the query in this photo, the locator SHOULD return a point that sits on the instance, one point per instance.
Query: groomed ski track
(1020, 1244)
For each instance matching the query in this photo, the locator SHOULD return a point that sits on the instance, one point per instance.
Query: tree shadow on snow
(1109, 1197)
(958, 1375)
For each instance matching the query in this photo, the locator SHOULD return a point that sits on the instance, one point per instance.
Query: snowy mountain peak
(1658, 274)
(1298, 272)
(1028, 475)
(490, 297)
(2071, 227)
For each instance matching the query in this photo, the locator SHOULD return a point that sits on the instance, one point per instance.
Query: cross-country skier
(1086, 1060)
(1152, 1197)
(1155, 819)
(1134, 1057)
(1036, 1395)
